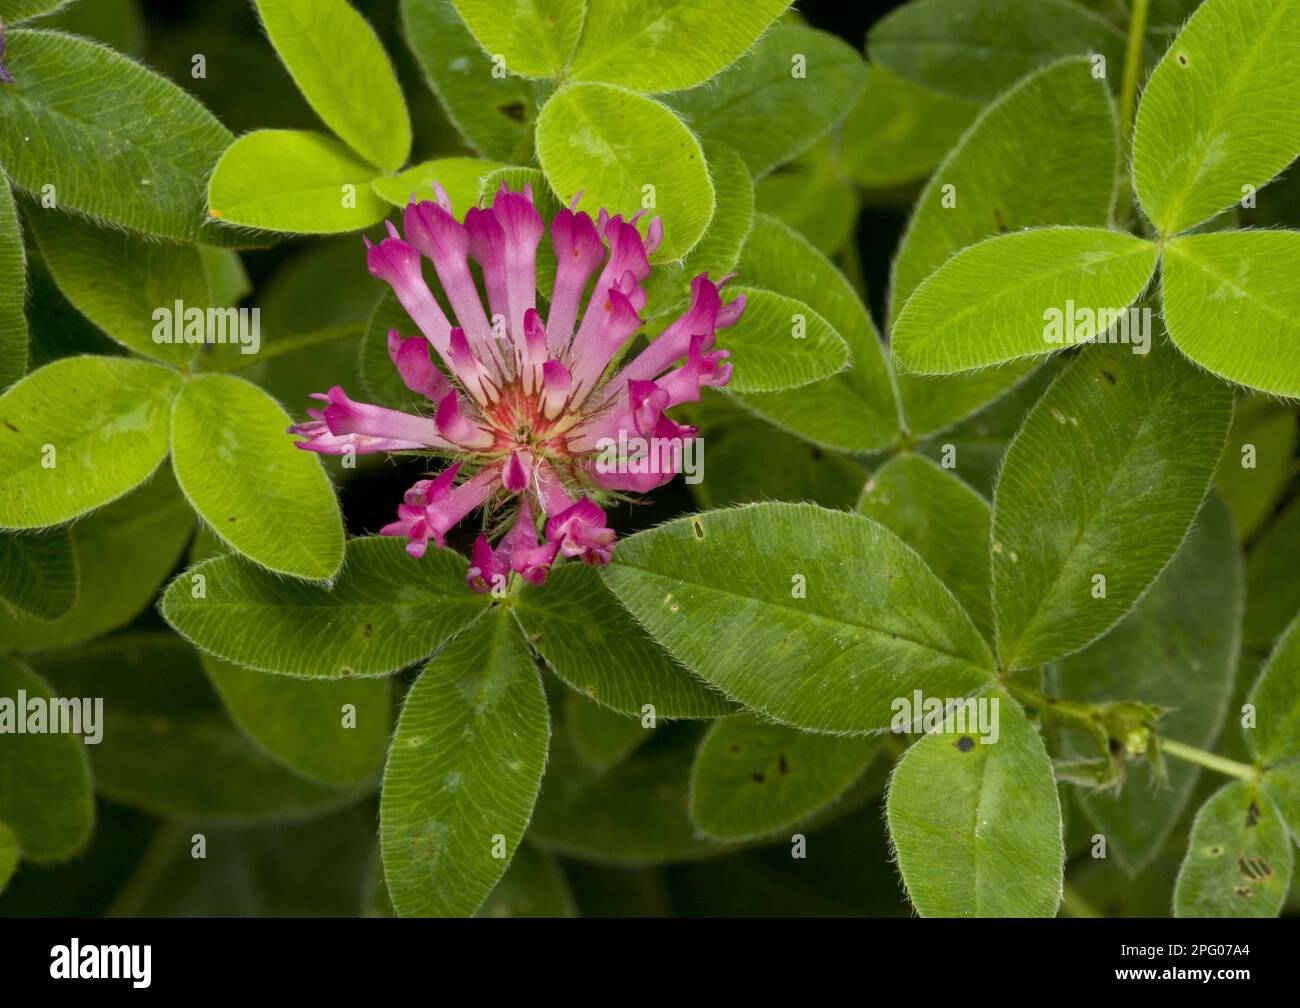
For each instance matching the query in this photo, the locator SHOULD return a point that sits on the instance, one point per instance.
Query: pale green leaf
(767, 113)
(105, 422)
(167, 746)
(779, 343)
(1232, 304)
(494, 114)
(460, 178)
(337, 62)
(1239, 857)
(534, 38)
(115, 140)
(38, 573)
(1097, 493)
(1007, 297)
(941, 518)
(1176, 650)
(589, 641)
(752, 777)
(610, 144)
(332, 731)
(45, 796)
(973, 49)
(123, 553)
(294, 180)
(1219, 116)
(13, 11)
(666, 45)
(464, 771)
(854, 410)
(146, 277)
(1276, 699)
(1045, 152)
(385, 610)
(815, 618)
(669, 285)
(898, 131)
(976, 823)
(269, 500)
(13, 291)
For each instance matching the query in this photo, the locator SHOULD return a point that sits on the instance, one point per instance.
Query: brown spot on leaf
(759, 777)
(965, 744)
(1252, 815)
(1110, 378)
(514, 110)
(783, 764)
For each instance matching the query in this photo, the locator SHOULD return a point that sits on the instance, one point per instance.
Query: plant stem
(1137, 30)
(1207, 759)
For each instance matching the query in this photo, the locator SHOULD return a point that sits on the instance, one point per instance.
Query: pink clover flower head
(527, 398)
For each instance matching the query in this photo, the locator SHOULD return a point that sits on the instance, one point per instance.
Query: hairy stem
(1208, 759)
(1137, 29)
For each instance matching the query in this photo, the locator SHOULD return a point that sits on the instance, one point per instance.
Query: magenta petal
(454, 426)
(419, 374)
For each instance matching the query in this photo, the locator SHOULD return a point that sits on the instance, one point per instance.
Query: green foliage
(979, 187)
(334, 732)
(977, 822)
(1097, 493)
(767, 113)
(1239, 857)
(752, 777)
(1236, 278)
(287, 520)
(79, 433)
(38, 573)
(1218, 118)
(13, 275)
(463, 772)
(340, 67)
(590, 642)
(494, 113)
(1045, 152)
(123, 554)
(780, 343)
(103, 131)
(535, 38)
(244, 614)
(851, 612)
(146, 275)
(294, 180)
(45, 799)
(626, 42)
(948, 45)
(167, 745)
(990, 303)
(941, 518)
(854, 410)
(1189, 619)
(620, 149)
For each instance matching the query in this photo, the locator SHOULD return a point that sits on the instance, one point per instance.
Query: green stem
(1137, 30)
(1207, 759)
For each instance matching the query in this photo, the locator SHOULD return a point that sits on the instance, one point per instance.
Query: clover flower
(528, 410)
